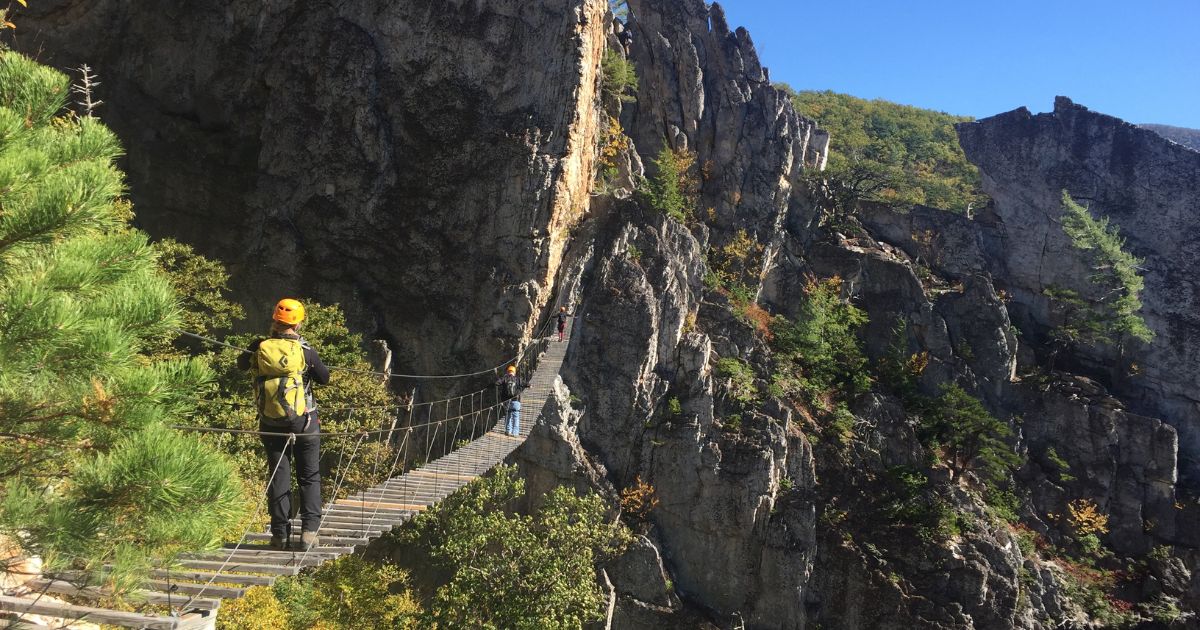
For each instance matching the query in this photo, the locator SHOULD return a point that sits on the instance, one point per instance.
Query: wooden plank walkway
(204, 579)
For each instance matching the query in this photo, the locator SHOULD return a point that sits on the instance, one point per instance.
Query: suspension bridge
(189, 593)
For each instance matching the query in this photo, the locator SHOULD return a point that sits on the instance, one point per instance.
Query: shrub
(618, 76)
(513, 570)
(613, 142)
(257, 609)
(674, 188)
(674, 407)
(1062, 467)
(741, 380)
(1004, 503)
(910, 502)
(638, 500)
(352, 593)
(1085, 518)
(819, 354)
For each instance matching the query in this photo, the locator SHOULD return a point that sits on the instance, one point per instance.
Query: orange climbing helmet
(512, 369)
(562, 309)
(289, 312)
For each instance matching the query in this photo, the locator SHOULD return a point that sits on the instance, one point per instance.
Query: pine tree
(1111, 314)
(968, 437)
(89, 473)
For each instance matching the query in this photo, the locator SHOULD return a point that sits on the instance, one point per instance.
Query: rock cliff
(1150, 189)
(429, 165)
(419, 162)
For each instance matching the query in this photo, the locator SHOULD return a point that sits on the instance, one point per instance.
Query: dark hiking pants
(307, 453)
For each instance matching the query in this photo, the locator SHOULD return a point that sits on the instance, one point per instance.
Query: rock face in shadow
(1146, 186)
(418, 162)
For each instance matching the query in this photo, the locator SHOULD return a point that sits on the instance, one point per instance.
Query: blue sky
(1136, 60)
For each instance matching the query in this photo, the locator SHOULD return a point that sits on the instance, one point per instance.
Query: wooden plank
(426, 473)
(262, 544)
(217, 578)
(347, 511)
(241, 566)
(86, 613)
(337, 541)
(62, 587)
(187, 589)
(339, 520)
(279, 558)
(397, 506)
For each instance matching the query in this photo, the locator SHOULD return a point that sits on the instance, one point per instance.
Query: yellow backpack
(279, 379)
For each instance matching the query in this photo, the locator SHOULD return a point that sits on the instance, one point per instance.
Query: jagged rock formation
(418, 162)
(428, 164)
(1150, 189)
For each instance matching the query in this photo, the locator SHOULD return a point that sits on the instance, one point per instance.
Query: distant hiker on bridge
(562, 321)
(510, 388)
(284, 368)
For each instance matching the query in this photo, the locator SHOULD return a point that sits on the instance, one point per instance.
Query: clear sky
(1138, 60)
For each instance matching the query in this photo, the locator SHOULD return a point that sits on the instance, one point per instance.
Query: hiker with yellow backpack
(284, 368)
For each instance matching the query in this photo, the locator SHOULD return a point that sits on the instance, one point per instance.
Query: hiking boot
(308, 540)
(279, 542)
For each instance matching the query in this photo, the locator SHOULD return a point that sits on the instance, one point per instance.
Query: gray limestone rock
(419, 163)
(1149, 188)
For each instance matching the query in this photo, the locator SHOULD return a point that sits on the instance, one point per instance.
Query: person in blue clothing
(510, 389)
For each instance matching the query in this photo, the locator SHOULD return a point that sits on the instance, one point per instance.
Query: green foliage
(1090, 588)
(1163, 609)
(635, 254)
(819, 356)
(201, 284)
(894, 154)
(82, 408)
(512, 570)
(352, 593)
(911, 502)
(967, 436)
(741, 379)
(296, 595)
(732, 269)
(675, 187)
(348, 593)
(1062, 466)
(1004, 503)
(257, 609)
(619, 76)
(674, 407)
(900, 370)
(732, 423)
(1113, 316)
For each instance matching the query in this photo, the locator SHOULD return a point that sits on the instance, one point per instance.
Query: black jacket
(502, 382)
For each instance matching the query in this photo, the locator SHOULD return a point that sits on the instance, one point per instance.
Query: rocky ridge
(453, 145)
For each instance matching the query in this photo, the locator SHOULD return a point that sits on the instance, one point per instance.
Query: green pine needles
(1112, 315)
(86, 465)
(957, 426)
